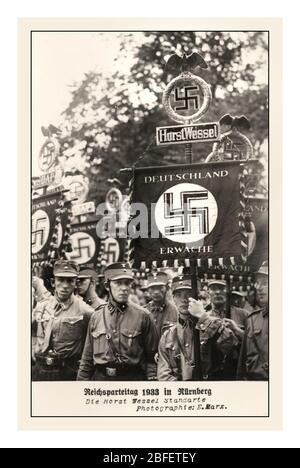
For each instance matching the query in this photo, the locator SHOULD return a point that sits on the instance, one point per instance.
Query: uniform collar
(63, 305)
(184, 322)
(157, 308)
(215, 313)
(114, 306)
(264, 310)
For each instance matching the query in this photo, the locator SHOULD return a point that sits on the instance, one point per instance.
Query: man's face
(64, 287)
(120, 290)
(238, 301)
(262, 290)
(83, 285)
(157, 293)
(217, 294)
(181, 299)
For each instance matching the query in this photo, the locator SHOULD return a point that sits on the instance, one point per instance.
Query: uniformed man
(86, 287)
(122, 340)
(62, 326)
(176, 360)
(217, 289)
(236, 322)
(254, 357)
(250, 301)
(238, 299)
(161, 306)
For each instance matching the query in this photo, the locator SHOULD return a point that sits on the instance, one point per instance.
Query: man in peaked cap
(86, 287)
(161, 306)
(217, 289)
(122, 340)
(254, 357)
(176, 359)
(62, 327)
(238, 299)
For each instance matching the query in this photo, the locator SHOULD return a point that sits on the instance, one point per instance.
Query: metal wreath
(207, 97)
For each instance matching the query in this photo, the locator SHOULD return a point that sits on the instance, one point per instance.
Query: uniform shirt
(63, 326)
(164, 315)
(176, 349)
(254, 357)
(132, 332)
(240, 316)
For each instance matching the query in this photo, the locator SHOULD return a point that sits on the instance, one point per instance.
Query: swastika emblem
(79, 190)
(40, 230)
(186, 213)
(83, 246)
(186, 98)
(48, 154)
(189, 101)
(113, 199)
(111, 252)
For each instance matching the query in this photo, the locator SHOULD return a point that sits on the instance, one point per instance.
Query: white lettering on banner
(185, 176)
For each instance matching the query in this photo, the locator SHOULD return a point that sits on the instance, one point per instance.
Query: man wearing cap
(161, 306)
(217, 289)
(176, 360)
(254, 357)
(86, 287)
(62, 327)
(122, 340)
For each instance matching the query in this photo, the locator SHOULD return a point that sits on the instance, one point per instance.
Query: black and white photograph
(150, 220)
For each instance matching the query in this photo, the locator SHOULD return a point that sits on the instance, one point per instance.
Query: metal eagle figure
(50, 130)
(185, 63)
(240, 122)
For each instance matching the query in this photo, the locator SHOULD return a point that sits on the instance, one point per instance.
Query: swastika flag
(48, 224)
(85, 244)
(193, 211)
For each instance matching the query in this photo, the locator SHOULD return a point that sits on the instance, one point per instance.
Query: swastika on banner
(40, 230)
(83, 246)
(79, 190)
(186, 213)
(111, 251)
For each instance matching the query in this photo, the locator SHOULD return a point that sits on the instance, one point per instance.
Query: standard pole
(197, 374)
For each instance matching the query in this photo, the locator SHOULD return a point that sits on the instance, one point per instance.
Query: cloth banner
(196, 211)
(48, 225)
(85, 244)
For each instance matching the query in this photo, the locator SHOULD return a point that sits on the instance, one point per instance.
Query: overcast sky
(61, 58)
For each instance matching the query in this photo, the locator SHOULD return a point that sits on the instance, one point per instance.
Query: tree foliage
(110, 122)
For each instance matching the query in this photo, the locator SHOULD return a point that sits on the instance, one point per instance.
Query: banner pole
(197, 374)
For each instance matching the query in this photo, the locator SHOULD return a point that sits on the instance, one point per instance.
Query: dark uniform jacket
(133, 335)
(254, 356)
(176, 349)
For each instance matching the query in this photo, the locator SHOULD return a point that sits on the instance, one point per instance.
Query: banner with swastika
(194, 211)
(48, 226)
(85, 244)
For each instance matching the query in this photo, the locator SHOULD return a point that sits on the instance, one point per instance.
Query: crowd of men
(158, 332)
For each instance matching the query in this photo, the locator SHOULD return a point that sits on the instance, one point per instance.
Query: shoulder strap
(110, 342)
